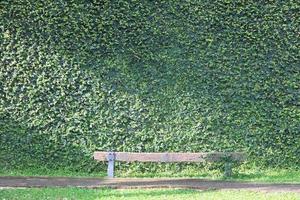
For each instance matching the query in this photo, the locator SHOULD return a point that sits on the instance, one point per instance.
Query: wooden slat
(169, 157)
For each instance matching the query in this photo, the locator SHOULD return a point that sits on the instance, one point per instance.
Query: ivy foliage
(149, 76)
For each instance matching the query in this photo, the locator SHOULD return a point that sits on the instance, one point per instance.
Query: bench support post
(228, 169)
(111, 164)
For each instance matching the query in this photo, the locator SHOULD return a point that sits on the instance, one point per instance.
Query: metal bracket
(111, 163)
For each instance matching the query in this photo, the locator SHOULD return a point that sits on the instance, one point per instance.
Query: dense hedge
(182, 76)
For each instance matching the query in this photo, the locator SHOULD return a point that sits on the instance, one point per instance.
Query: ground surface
(139, 194)
(130, 183)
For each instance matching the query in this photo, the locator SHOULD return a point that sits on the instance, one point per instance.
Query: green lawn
(107, 194)
(255, 174)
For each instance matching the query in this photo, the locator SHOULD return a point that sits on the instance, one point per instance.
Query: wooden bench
(111, 157)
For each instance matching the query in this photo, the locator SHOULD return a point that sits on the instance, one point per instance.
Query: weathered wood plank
(170, 157)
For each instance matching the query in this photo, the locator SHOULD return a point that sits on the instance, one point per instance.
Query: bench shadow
(245, 176)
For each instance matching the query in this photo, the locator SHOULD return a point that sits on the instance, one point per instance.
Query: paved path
(125, 183)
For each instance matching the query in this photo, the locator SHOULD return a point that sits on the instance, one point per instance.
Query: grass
(269, 175)
(41, 171)
(109, 194)
(254, 174)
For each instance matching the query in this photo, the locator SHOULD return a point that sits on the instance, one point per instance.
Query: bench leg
(110, 168)
(228, 169)
(111, 164)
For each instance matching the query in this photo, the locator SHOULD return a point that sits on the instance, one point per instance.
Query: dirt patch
(130, 183)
